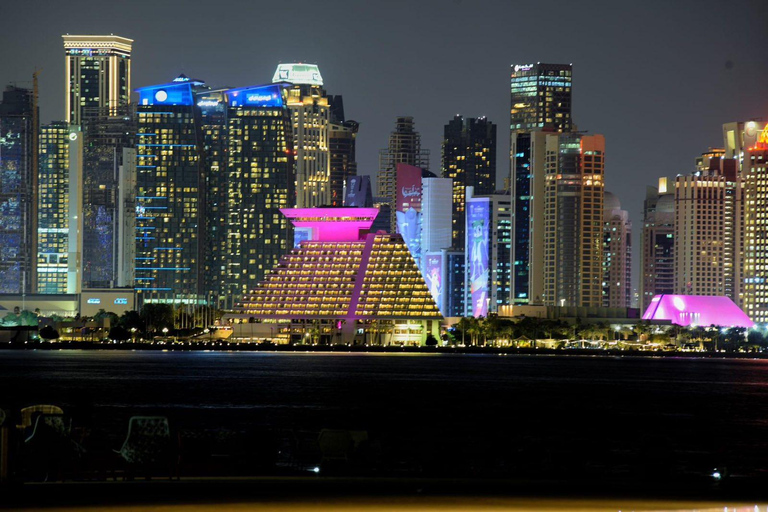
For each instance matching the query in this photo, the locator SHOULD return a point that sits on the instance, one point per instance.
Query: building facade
(310, 117)
(260, 182)
(541, 97)
(469, 159)
(98, 74)
(404, 148)
(170, 201)
(657, 264)
(617, 254)
(18, 191)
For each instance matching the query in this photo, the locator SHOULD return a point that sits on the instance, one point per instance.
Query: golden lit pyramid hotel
(340, 284)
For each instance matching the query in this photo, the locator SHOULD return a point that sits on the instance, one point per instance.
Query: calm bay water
(442, 414)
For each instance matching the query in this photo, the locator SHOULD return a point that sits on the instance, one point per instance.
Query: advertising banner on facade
(408, 208)
(433, 275)
(478, 220)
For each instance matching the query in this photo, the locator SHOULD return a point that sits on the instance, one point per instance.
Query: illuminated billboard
(478, 220)
(433, 275)
(408, 207)
(179, 93)
(298, 74)
(697, 310)
(259, 96)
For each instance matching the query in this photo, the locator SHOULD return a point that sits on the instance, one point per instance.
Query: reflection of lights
(679, 303)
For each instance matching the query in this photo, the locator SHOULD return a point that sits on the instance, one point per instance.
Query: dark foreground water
(431, 415)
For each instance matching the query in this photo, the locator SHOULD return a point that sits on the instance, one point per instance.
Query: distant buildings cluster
(177, 194)
(705, 233)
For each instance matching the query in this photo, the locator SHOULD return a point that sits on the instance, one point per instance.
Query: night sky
(658, 79)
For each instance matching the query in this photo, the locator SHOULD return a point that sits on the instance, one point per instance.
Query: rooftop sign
(298, 74)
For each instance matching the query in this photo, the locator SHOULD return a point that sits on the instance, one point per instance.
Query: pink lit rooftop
(697, 310)
(333, 224)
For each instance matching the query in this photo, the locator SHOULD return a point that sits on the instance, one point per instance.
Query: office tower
(617, 257)
(658, 244)
(572, 222)
(708, 220)
(170, 200)
(108, 134)
(98, 74)
(260, 182)
(540, 101)
(404, 148)
(749, 143)
(213, 112)
(358, 192)
(59, 209)
(342, 136)
(354, 286)
(18, 191)
(310, 116)
(469, 159)
(541, 97)
(488, 253)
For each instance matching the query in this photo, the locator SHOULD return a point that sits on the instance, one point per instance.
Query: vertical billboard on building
(478, 220)
(433, 275)
(408, 208)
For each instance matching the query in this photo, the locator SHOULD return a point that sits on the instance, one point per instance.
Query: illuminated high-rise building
(572, 205)
(260, 182)
(170, 201)
(540, 102)
(708, 231)
(658, 244)
(59, 209)
(488, 253)
(18, 191)
(310, 117)
(541, 97)
(109, 137)
(617, 254)
(748, 143)
(404, 148)
(469, 159)
(98, 74)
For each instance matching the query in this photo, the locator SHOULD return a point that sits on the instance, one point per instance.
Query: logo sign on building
(408, 210)
(478, 229)
(433, 275)
(264, 96)
(121, 301)
(298, 74)
(94, 301)
(523, 67)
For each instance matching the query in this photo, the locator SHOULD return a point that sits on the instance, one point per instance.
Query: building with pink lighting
(340, 284)
(697, 310)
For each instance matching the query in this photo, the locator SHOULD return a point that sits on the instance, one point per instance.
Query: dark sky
(657, 78)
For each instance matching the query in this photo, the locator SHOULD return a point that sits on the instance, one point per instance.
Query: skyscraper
(617, 257)
(310, 116)
(540, 102)
(342, 148)
(658, 244)
(60, 209)
(98, 74)
(488, 253)
(572, 205)
(541, 97)
(708, 230)
(404, 148)
(108, 135)
(18, 191)
(748, 143)
(469, 159)
(260, 182)
(170, 201)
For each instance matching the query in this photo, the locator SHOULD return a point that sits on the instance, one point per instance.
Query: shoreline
(269, 347)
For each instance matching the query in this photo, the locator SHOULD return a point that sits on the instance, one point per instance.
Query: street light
(165, 334)
(133, 334)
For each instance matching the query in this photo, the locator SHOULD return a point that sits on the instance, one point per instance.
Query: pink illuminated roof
(332, 224)
(697, 310)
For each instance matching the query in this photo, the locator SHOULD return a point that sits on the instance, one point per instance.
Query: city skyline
(619, 91)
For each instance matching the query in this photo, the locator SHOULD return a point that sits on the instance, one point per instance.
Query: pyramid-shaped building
(343, 284)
